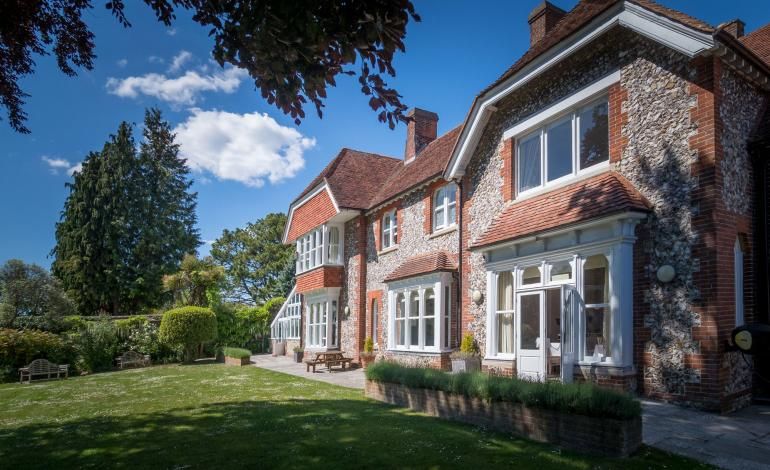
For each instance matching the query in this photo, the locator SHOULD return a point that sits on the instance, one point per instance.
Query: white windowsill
(562, 182)
(443, 231)
(419, 351)
(387, 250)
(507, 358)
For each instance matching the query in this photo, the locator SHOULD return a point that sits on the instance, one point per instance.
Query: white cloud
(153, 59)
(182, 90)
(122, 63)
(58, 164)
(179, 60)
(171, 31)
(247, 148)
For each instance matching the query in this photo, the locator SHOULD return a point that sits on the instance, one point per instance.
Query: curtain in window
(505, 313)
(529, 163)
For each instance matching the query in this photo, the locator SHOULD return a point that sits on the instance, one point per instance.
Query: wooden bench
(44, 369)
(133, 358)
(344, 361)
(329, 359)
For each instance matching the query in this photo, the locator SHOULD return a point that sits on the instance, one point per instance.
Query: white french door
(530, 350)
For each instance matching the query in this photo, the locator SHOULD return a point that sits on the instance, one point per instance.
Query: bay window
(445, 207)
(389, 236)
(571, 143)
(321, 246)
(420, 313)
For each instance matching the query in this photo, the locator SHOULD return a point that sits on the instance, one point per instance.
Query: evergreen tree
(128, 220)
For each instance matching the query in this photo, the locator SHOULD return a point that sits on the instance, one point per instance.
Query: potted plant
(368, 356)
(467, 358)
(237, 356)
(299, 353)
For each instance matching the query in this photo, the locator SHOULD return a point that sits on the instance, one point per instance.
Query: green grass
(237, 353)
(211, 416)
(583, 399)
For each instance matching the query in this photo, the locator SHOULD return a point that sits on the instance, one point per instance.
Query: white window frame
(439, 282)
(286, 324)
(497, 313)
(374, 307)
(443, 199)
(389, 232)
(322, 319)
(314, 248)
(740, 314)
(541, 128)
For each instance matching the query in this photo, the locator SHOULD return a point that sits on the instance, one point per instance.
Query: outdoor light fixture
(666, 273)
(347, 310)
(476, 296)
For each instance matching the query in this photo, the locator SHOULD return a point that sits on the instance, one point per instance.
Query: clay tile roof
(582, 14)
(428, 164)
(354, 177)
(602, 195)
(758, 41)
(440, 261)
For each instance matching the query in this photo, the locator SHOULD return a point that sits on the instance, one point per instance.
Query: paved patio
(738, 441)
(353, 378)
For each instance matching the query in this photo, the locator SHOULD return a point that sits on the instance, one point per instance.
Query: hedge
(237, 353)
(582, 399)
(188, 327)
(20, 347)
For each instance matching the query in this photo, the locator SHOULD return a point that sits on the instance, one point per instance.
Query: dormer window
(445, 207)
(389, 229)
(321, 246)
(564, 147)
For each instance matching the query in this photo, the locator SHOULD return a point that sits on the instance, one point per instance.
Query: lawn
(212, 416)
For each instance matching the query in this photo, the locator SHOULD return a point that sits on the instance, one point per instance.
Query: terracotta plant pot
(367, 359)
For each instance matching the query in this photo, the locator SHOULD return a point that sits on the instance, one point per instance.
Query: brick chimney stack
(735, 27)
(420, 131)
(542, 19)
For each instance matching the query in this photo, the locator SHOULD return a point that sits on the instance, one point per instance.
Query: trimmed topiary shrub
(582, 399)
(188, 327)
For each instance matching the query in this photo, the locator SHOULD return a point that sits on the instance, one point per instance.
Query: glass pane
(400, 333)
(553, 316)
(529, 163)
(560, 150)
(561, 271)
(430, 331)
(505, 333)
(400, 306)
(505, 291)
(530, 321)
(596, 280)
(598, 340)
(430, 303)
(334, 323)
(531, 275)
(438, 217)
(451, 217)
(447, 299)
(414, 304)
(594, 135)
(414, 332)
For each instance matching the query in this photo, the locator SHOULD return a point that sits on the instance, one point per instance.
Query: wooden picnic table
(328, 358)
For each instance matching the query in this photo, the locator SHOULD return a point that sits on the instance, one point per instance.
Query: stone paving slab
(738, 441)
(352, 378)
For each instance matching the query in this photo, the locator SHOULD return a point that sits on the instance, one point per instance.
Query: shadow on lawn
(290, 434)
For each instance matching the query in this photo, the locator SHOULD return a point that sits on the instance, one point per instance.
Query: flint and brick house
(599, 216)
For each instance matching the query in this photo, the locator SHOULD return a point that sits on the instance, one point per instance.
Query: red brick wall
(310, 215)
(617, 118)
(357, 294)
(508, 170)
(375, 296)
(318, 278)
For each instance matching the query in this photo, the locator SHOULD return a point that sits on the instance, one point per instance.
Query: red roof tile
(440, 261)
(602, 195)
(428, 164)
(758, 42)
(582, 14)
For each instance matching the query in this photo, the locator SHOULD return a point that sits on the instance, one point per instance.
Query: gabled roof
(599, 196)
(758, 41)
(353, 177)
(428, 164)
(439, 261)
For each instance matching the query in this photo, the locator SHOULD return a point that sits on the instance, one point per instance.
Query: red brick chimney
(420, 131)
(542, 19)
(735, 27)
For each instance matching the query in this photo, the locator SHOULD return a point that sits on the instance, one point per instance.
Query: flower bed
(580, 417)
(236, 356)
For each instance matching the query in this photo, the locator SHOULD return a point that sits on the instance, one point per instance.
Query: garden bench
(328, 358)
(44, 369)
(133, 358)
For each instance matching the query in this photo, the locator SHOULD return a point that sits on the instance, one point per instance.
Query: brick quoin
(310, 215)
(617, 119)
(320, 278)
(371, 297)
(508, 169)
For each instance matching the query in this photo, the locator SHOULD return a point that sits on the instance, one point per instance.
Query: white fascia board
(585, 94)
(632, 16)
(317, 190)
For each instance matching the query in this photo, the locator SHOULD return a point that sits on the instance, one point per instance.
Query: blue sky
(247, 164)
